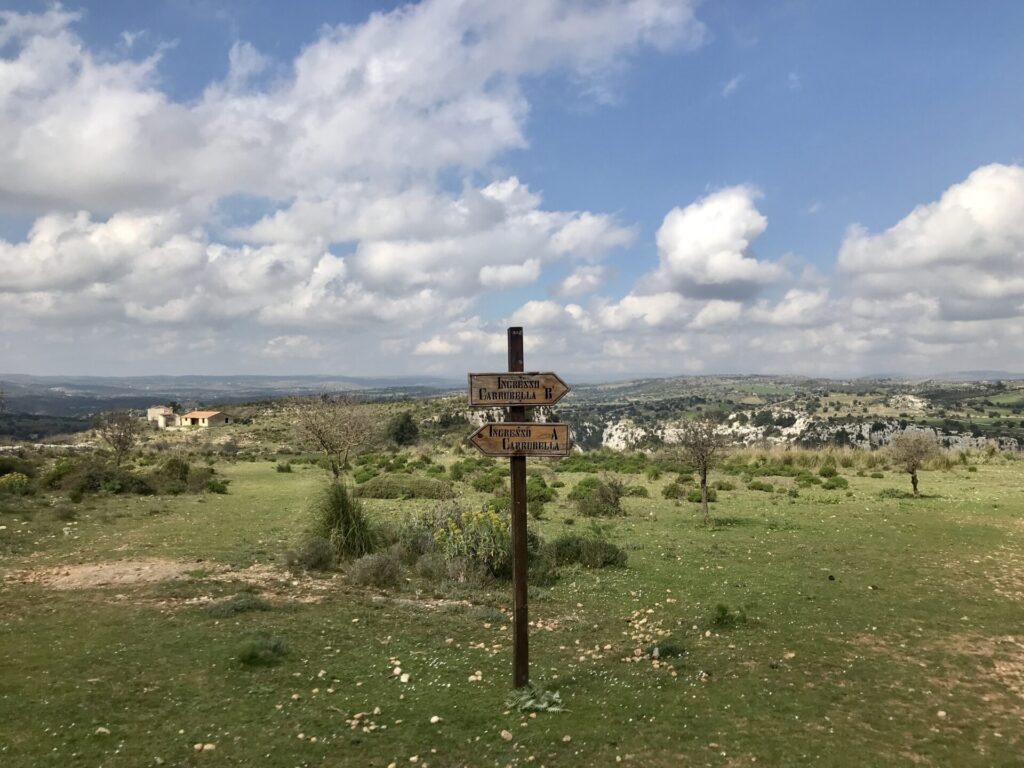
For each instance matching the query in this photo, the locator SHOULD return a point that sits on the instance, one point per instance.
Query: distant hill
(84, 395)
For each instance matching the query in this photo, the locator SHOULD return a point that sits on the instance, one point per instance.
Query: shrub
(604, 461)
(675, 490)
(538, 491)
(583, 488)
(315, 554)
(588, 551)
(377, 570)
(402, 429)
(262, 650)
(432, 567)
(605, 500)
(243, 602)
(15, 483)
(363, 474)
(392, 486)
(757, 485)
(877, 475)
(836, 482)
(653, 473)
(489, 482)
(693, 495)
(724, 617)
(638, 491)
(10, 465)
(482, 538)
(339, 518)
(828, 470)
(724, 485)
(283, 466)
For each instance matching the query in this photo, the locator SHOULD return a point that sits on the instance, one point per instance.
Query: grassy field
(859, 628)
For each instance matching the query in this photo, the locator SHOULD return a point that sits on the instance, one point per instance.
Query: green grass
(921, 615)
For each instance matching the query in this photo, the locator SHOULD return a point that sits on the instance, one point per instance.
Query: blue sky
(771, 129)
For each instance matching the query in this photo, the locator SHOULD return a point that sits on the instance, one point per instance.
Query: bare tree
(702, 444)
(334, 425)
(910, 450)
(119, 430)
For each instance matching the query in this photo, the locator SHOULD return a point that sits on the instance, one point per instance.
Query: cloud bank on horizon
(350, 210)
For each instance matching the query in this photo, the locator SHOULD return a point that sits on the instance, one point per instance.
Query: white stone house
(204, 419)
(162, 416)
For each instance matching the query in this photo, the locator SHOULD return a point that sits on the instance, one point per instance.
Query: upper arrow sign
(497, 389)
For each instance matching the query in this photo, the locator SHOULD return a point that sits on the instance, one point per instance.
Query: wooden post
(520, 622)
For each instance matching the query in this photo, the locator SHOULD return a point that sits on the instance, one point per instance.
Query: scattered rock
(506, 735)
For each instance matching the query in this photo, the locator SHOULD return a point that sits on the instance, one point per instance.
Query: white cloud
(717, 312)
(581, 281)
(731, 85)
(510, 275)
(705, 248)
(965, 251)
(294, 346)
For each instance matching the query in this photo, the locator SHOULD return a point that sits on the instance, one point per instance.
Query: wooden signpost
(488, 389)
(518, 438)
(527, 439)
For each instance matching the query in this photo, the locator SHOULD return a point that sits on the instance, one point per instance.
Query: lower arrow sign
(522, 439)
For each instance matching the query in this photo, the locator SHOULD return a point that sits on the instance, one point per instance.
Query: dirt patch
(116, 574)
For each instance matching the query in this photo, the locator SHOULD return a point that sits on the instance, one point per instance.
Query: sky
(648, 187)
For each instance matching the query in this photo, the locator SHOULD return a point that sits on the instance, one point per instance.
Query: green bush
(724, 618)
(724, 485)
(537, 490)
(363, 474)
(694, 495)
(339, 518)
(315, 554)
(638, 491)
(828, 470)
(836, 482)
(283, 466)
(10, 465)
(262, 650)
(481, 538)
(588, 551)
(381, 569)
(605, 500)
(675, 490)
(877, 475)
(243, 602)
(604, 461)
(489, 482)
(585, 487)
(757, 485)
(392, 486)
(402, 429)
(15, 483)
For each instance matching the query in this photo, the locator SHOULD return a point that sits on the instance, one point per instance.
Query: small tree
(910, 450)
(334, 426)
(119, 430)
(702, 444)
(402, 429)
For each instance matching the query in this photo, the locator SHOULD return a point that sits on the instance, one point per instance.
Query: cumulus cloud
(345, 147)
(964, 251)
(582, 280)
(705, 248)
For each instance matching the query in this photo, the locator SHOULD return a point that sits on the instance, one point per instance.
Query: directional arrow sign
(527, 438)
(497, 389)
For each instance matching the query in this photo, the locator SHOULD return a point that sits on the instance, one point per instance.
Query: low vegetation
(821, 596)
